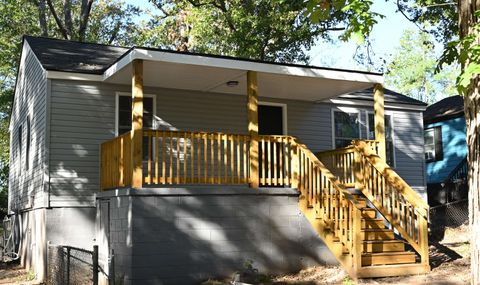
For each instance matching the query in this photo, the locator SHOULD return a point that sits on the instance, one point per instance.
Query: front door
(270, 122)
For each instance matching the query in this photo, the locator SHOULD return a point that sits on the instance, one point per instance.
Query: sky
(385, 37)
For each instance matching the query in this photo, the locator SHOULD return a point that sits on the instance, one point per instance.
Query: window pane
(342, 142)
(388, 127)
(346, 125)
(125, 113)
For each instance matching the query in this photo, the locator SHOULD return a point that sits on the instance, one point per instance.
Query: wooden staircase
(370, 219)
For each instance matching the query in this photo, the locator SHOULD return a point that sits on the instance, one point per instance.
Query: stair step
(371, 223)
(387, 258)
(378, 246)
(369, 213)
(392, 270)
(377, 234)
(362, 202)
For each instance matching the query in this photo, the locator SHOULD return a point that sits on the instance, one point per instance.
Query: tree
(96, 21)
(257, 29)
(413, 69)
(442, 16)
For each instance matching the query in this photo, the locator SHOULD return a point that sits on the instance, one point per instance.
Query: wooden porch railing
(116, 162)
(359, 166)
(175, 157)
(341, 162)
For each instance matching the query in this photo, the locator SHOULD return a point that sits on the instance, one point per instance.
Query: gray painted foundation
(185, 235)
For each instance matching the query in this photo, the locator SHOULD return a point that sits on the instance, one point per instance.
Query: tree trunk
(42, 17)
(467, 20)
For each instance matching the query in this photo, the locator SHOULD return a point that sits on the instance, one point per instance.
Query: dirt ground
(14, 274)
(449, 260)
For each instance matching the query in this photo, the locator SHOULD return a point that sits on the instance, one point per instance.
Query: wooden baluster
(192, 158)
(213, 178)
(225, 157)
(184, 176)
(219, 158)
(199, 157)
(232, 160)
(178, 158)
(164, 158)
(275, 166)
(265, 161)
(238, 159)
(170, 174)
(245, 155)
(156, 140)
(280, 162)
(269, 158)
(149, 158)
(205, 158)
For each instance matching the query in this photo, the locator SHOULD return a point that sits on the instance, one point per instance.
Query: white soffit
(210, 74)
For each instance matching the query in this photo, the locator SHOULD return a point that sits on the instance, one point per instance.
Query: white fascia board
(353, 102)
(240, 65)
(73, 76)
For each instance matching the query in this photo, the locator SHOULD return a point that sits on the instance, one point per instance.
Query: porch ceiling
(210, 74)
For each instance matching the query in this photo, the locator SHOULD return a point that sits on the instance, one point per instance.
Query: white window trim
(345, 110)
(284, 113)
(392, 116)
(431, 129)
(118, 94)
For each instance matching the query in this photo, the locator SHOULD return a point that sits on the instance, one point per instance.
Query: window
(125, 113)
(124, 116)
(433, 144)
(346, 128)
(19, 150)
(389, 143)
(27, 151)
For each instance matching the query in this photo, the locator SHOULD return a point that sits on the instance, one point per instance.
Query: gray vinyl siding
(83, 116)
(26, 185)
(409, 147)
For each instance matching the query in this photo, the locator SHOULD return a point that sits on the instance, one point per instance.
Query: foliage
(357, 14)
(412, 69)
(108, 22)
(259, 29)
(465, 52)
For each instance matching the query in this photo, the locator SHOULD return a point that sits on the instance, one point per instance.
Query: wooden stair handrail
(393, 177)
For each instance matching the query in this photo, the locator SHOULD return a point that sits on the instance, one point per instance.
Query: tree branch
(60, 26)
(67, 16)
(84, 15)
(413, 20)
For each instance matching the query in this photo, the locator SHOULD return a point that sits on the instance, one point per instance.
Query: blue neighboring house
(445, 151)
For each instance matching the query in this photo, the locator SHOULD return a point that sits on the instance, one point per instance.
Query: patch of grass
(347, 281)
(30, 276)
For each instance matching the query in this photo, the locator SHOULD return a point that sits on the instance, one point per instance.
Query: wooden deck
(354, 232)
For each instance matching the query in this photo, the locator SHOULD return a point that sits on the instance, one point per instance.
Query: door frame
(284, 113)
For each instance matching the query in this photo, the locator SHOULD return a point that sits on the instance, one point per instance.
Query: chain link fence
(70, 265)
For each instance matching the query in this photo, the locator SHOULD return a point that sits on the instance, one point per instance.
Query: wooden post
(357, 239)
(379, 119)
(137, 123)
(252, 111)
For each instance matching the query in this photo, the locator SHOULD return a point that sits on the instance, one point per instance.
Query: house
(446, 151)
(188, 166)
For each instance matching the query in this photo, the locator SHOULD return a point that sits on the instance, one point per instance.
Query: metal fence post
(111, 268)
(95, 264)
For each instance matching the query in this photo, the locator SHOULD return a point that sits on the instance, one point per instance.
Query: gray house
(189, 165)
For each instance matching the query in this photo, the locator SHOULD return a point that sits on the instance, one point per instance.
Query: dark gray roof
(448, 108)
(73, 56)
(91, 58)
(390, 97)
